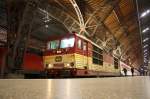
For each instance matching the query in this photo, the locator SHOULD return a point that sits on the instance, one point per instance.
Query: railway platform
(137, 87)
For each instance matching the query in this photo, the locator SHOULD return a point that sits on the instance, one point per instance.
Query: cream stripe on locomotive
(79, 62)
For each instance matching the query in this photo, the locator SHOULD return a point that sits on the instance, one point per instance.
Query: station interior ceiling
(112, 24)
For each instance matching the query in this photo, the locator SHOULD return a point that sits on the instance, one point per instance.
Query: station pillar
(20, 15)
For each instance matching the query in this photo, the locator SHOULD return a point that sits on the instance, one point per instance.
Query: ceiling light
(145, 46)
(47, 20)
(145, 59)
(145, 13)
(46, 26)
(141, 68)
(145, 50)
(145, 30)
(146, 39)
(145, 54)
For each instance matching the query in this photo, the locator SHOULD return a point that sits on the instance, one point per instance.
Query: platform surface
(84, 88)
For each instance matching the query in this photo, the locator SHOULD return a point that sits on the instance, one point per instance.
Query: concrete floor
(85, 88)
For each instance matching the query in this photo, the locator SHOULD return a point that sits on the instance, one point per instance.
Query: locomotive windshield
(67, 42)
(53, 44)
(63, 43)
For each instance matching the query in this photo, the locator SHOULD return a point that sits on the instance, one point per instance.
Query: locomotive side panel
(81, 53)
(97, 59)
(3, 52)
(110, 63)
(95, 62)
(32, 63)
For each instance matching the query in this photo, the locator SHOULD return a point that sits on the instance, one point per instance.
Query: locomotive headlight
(68, 64)
(50, 65)
(72, 64)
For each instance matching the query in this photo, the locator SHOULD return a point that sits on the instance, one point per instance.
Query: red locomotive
(75, 55)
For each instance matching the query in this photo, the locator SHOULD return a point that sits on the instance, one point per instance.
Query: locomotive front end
(59, 57)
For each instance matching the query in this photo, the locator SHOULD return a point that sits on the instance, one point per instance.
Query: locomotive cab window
(67, 42)
(53, 44)
(48, 46)
(84, 46)
(79, 44)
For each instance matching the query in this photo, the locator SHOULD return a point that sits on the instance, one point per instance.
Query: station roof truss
(112, 24)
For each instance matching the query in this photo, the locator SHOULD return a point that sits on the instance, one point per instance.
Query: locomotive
(76, 56)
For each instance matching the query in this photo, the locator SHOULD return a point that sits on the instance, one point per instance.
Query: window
(48, 46)
(116, 63)
(67, 42)
(97, 55)
(53, 44)
(84, 46)
(79, 44)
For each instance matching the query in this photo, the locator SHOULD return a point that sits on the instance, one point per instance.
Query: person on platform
(132, 71)
(125, 71)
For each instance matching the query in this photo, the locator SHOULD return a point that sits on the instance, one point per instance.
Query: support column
(20, 18)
